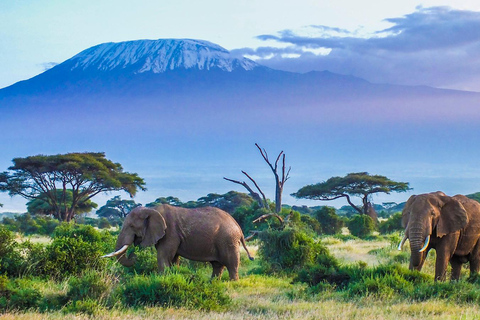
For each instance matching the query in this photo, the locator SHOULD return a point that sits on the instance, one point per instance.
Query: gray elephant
(450, 225)
(203, 234)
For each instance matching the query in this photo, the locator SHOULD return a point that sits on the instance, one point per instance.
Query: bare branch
(253, 194)
(265, 203)
(268, 215)
(252, 235)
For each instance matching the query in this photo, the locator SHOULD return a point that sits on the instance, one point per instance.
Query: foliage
(28, 224)
(42, 204)
(17, 294)
(10, 258)
(90, 285)
(289, 250)
(175, 290)
(330, 222)
(116, 209)
(246, 215)
(85, 174)
(394, 223)
(360, 184)
(229, 201)
(74, 249)
(361, 226)
(173, 201)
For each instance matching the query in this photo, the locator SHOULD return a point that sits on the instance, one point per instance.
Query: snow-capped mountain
(159, 56)
(187, 112)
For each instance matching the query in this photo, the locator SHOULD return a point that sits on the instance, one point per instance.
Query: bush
(18, 294)
(175, 290)
(11, 260)
(289, 250)
(90, 285)
(394, 223)
(330, 222)
(74, 249)
(361, 225)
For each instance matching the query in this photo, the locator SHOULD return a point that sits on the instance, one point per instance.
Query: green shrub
(289, 249)
(175, 290)
(394, 223)
(361, 225)
(330, 222)
(11, 260)
(74, 249)
(18, 294)
(103, 223)
(146, 261)
(90, 285)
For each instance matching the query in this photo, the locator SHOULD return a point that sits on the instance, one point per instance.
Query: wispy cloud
(437, 46)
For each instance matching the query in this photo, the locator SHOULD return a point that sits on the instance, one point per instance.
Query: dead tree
(279, 181)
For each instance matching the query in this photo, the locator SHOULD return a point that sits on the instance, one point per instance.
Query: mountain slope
(185, 113)
(158, 56)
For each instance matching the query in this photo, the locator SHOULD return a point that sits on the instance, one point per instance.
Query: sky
(431, 42)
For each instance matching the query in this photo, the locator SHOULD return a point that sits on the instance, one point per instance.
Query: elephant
(203, 234)
(450, 225)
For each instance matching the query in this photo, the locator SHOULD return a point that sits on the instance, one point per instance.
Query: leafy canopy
(116, 208)
(41, 204)
(85, 174)
(360, 184)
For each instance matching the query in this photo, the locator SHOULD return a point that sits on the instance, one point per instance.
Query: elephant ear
(154, 228)
(406, 211)
(453, 217)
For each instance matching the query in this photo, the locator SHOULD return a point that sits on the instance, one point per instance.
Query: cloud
(48, 65)
(436, 46)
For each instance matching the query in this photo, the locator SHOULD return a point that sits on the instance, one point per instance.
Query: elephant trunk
(122, 244)
(417, 246)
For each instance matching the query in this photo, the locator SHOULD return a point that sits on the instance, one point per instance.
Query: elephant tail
(245, 247)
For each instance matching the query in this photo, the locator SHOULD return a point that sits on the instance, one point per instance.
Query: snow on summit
(158, 56)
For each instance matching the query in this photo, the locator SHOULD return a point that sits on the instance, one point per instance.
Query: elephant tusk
(116, 253)
(427, 241)
(400, 246)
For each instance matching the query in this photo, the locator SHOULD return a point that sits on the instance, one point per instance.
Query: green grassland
(387, 289)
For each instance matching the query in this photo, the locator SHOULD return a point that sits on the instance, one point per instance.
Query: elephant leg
(445, 251)
(475, 260)
(456, 268)
(217, 269)
(233, 263)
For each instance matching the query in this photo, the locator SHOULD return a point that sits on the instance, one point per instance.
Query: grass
(273, 296)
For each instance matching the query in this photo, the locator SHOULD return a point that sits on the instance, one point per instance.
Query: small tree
(361, 225)
(359, 184)
(330, 222)
(116, 208)
(85, 174)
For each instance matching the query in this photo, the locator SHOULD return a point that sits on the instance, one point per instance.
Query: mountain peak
(158, 56)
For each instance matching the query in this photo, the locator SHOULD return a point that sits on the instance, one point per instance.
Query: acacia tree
(360, 184)
(85, 174)
(116, 208)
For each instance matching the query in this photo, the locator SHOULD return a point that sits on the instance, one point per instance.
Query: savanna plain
(295, 275)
